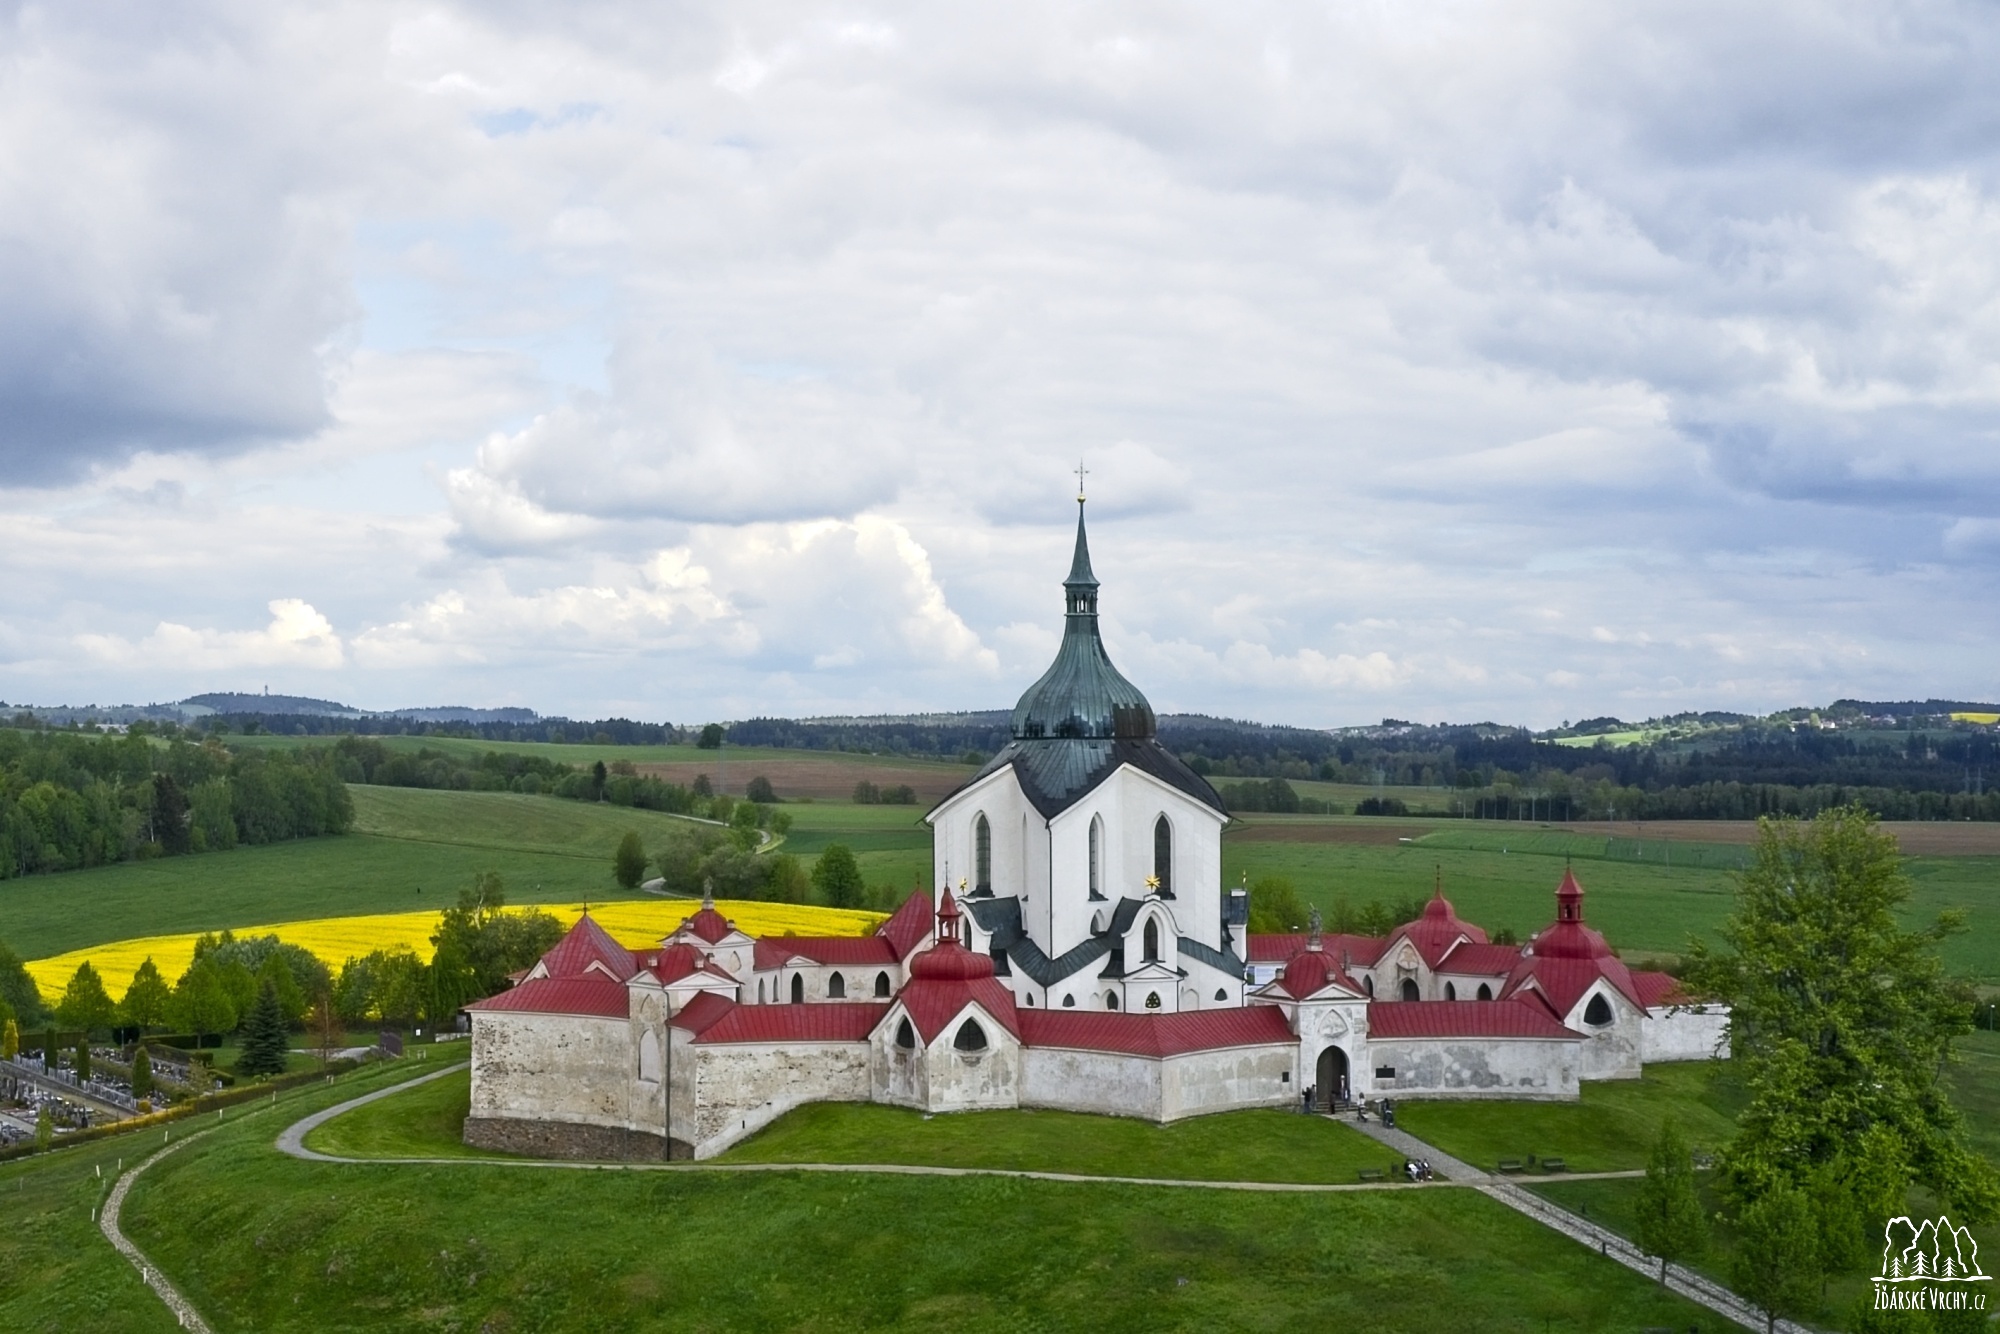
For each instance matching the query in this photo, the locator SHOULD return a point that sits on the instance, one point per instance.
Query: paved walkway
(107, 1223)
(1441, 1162)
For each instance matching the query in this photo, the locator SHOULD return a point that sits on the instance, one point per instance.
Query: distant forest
(70, 800)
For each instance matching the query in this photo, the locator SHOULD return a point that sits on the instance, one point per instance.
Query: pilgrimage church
(1086, 958)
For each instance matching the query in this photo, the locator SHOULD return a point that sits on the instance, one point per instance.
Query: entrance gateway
(1330, 1087)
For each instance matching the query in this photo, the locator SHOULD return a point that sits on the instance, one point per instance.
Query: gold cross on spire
(1080, 471)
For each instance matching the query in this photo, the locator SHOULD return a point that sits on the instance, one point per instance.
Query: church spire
(1081, 585)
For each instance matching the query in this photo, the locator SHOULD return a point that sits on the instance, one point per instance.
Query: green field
(586, 753)
(1506, 878)
(260, 1241)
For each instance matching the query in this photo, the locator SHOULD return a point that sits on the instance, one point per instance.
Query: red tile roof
(1156, 1035)
(1357, 950)
(703, 1010)
(837, 951)
(835, 1022)
(934, 1002)
(1309, 973)
(1481, 960)
(1437, 930)
(1462, 1019)
(587, 944)
(591, 995)
(909, 926)
(708, 924)
(1657, 989)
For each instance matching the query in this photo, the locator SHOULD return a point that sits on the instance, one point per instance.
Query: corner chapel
(1087, 959)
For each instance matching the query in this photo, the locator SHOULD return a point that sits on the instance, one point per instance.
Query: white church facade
(1080, 954)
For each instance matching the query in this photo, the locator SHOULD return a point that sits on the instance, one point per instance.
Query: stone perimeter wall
(571, 1141)
(1685, 1035)
(1485, 1068)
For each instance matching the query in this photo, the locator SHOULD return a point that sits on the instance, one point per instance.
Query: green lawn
(1230, 1146)
(424, 1122)
(1611, 1129)
(584, 754)
(56, 1270)
(264, 1242)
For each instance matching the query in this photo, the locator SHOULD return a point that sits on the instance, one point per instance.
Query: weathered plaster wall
(551, 1067)
(1090, 1081)
(1685, 1035)
(1610, 1051)
(1221, 1081)
(1476, 1068)
(741, 1087)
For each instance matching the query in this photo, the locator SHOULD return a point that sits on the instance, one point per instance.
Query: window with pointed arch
(798, 988)
(1163, 855)
(881, 985)
(982, 854)
(1151, 941)
(971, 1037)
(906, 1037)
(1110, 1000)
(1152, 1000)
(1598, 1012)
(1096, 857)
(836, 987)
(1485, 992)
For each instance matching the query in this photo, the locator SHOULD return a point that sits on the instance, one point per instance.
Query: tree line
(70, 800)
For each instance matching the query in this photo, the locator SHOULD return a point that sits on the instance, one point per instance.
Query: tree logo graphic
(1929, 1252)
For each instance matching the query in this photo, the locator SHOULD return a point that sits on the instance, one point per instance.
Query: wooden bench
(1512, 1165)
(1372, 1174)
(1554, 1165)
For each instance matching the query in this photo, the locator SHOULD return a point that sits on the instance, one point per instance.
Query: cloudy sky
(1447, 361)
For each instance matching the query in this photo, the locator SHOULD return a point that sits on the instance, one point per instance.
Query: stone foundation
(572, 1141)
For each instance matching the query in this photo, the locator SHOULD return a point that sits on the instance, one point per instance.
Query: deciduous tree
(85, 1003)
(837, 877)
(1842, 1021)
(1776, 1266)
(628, 864)
(10, 1040)
(1671, 1222)
(147, 999)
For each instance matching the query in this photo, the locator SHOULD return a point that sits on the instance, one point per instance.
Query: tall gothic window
(982, 854)
(798, 989)
(1153, 941)
(1096, 858)
(836, 987)
(1163, 855)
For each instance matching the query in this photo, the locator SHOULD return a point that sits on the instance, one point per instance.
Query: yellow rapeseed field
(336, 939)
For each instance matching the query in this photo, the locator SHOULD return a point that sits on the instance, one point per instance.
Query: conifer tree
(264, 1037)
(45, 1128)
(82, 1057)
(142, 1073)
(10, 1040)
(49, 1050)
(1672, 1224)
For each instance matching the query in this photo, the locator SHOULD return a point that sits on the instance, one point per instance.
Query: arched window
(1152, 942)
(836, 987)
(1029, 1000)
(1598, 1011)
(1163, 855)
(760, 991)
(1221, 995)
(1096, 858)
(1485, 992)
(1450, 991)
(906, 1037)
(971, 1037)
(1368, 984)
(881, 985)
(1110, 1000)
(1152, 1000)
(1069, 1002)
(798, 988)
(1410, 991)
(649, 1057)
(982, 854)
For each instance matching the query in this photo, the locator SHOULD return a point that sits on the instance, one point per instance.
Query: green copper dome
(1082, 695)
